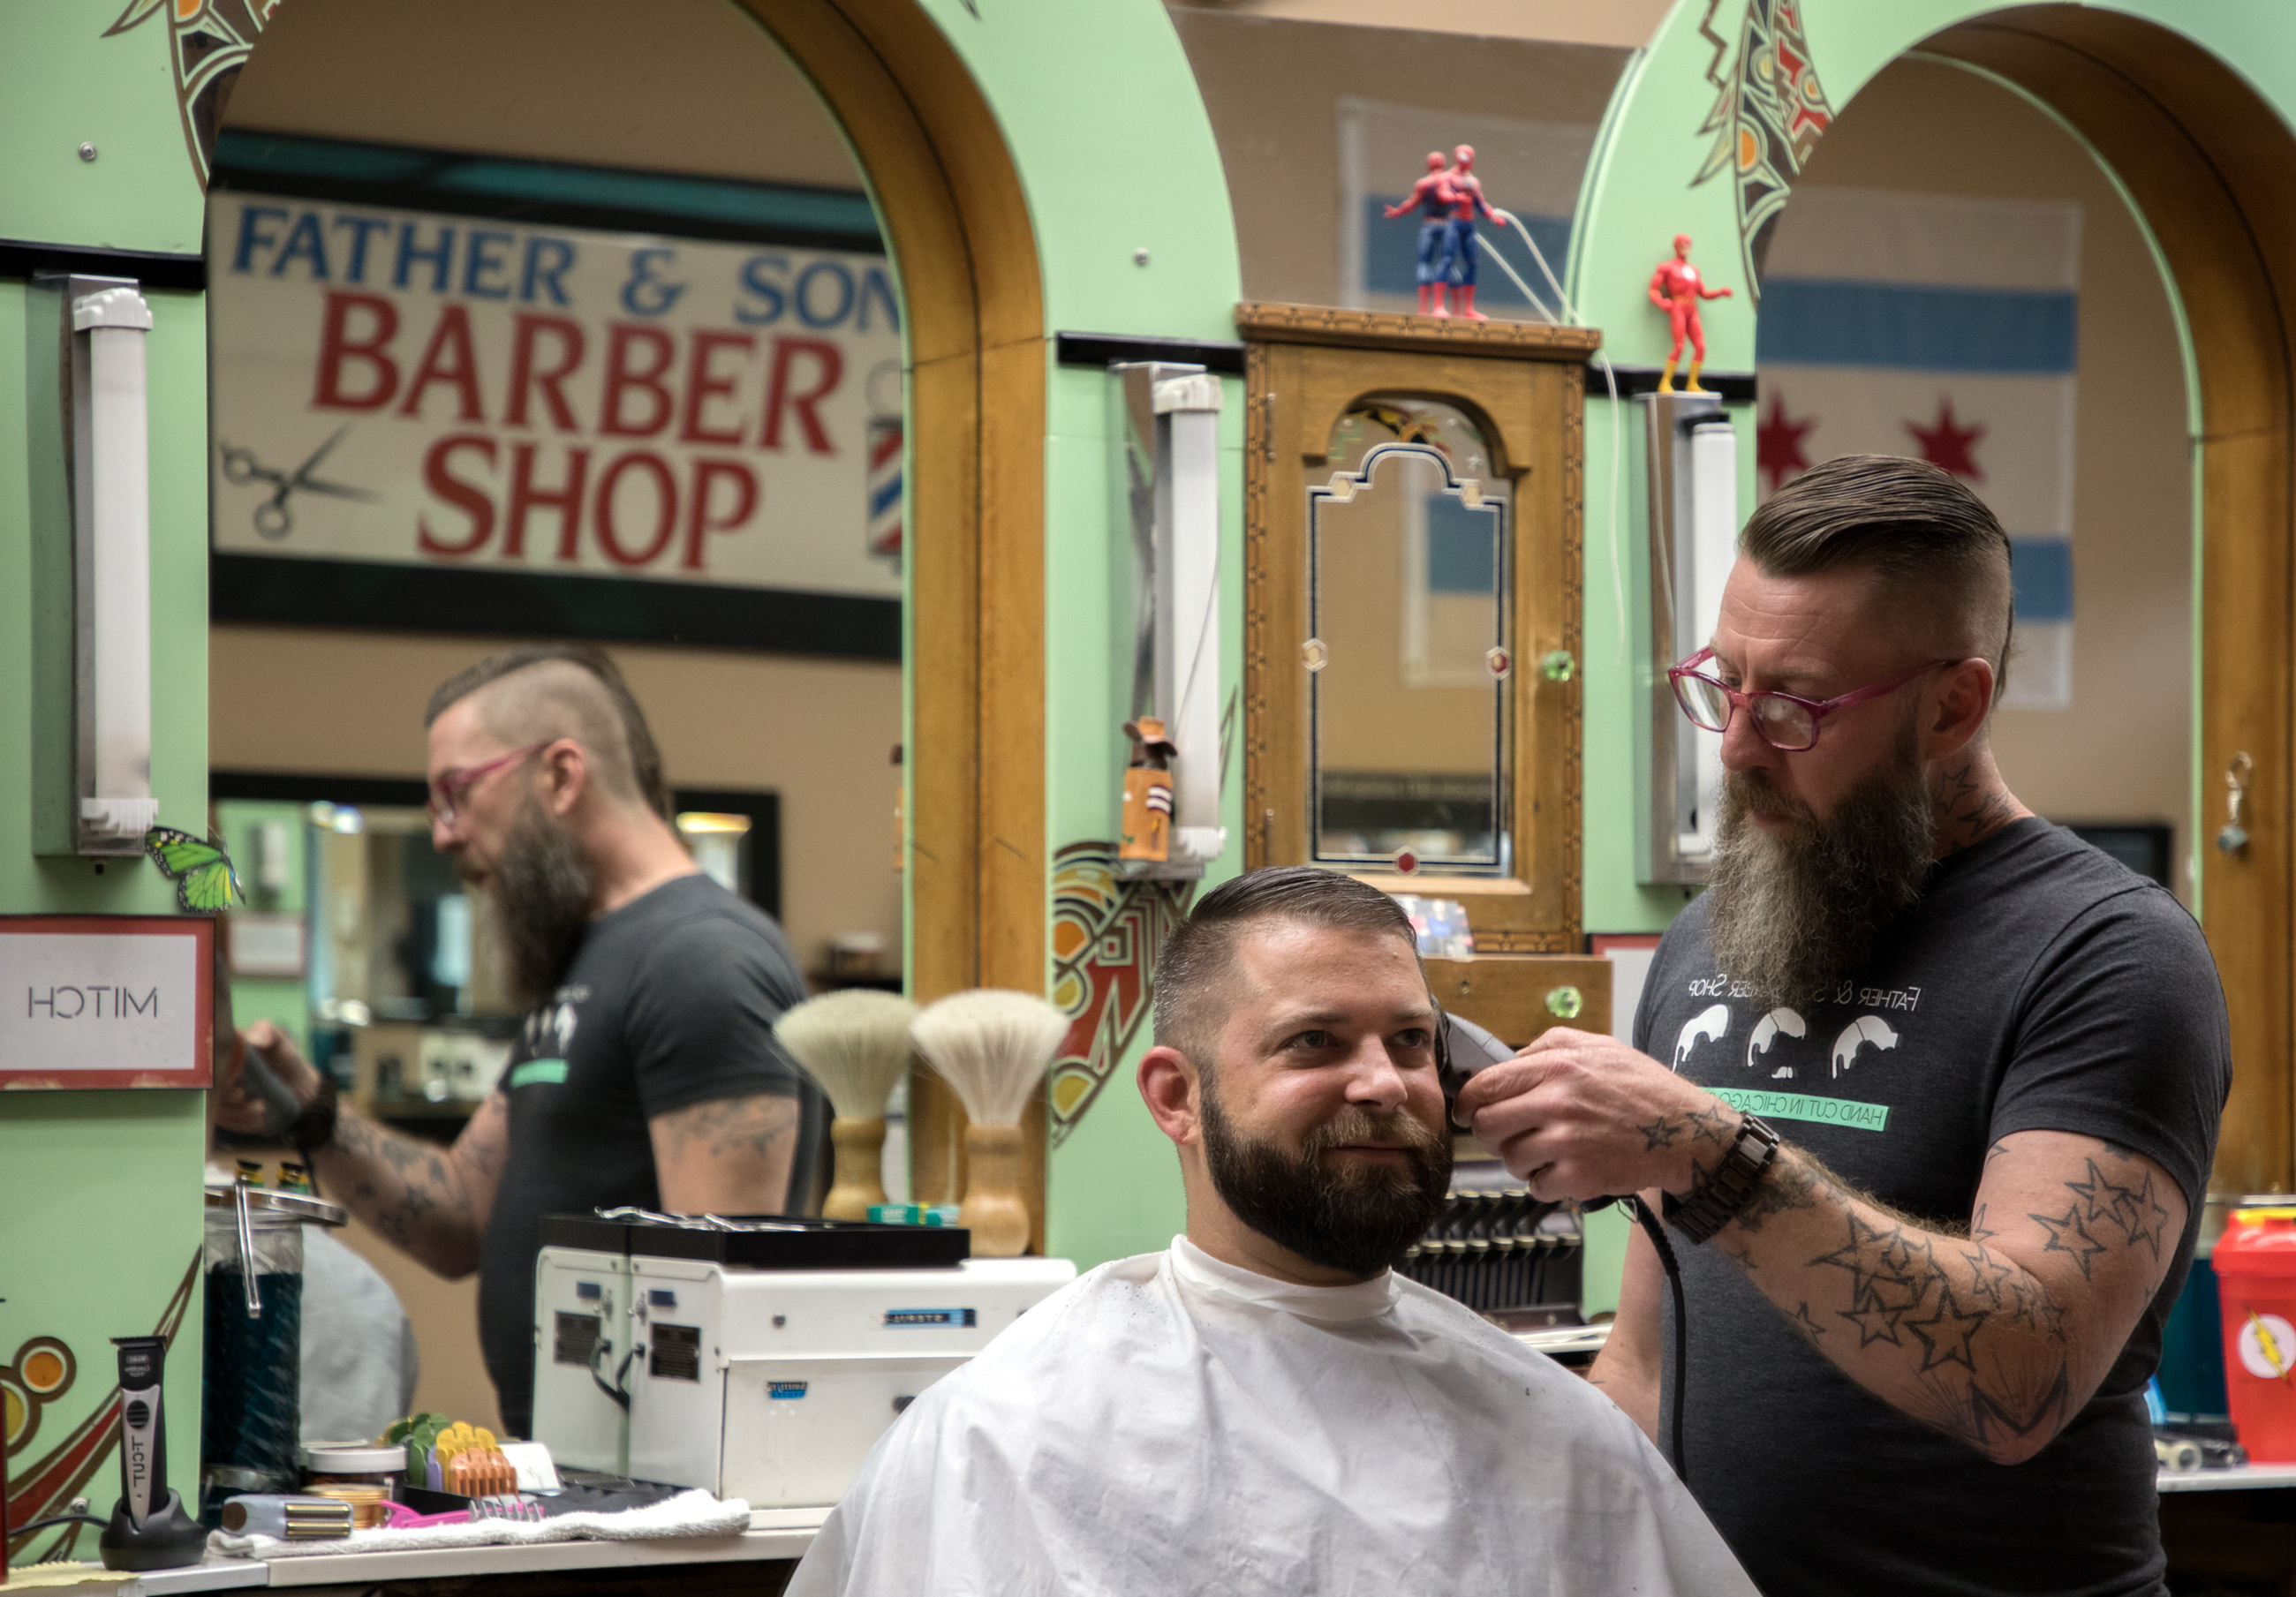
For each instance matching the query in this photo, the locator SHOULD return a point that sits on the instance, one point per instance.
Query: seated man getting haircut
(1267, 1407)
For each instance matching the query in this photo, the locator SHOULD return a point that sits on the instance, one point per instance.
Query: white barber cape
(1169, 1423)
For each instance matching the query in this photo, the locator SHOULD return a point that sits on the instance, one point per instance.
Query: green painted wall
(68, 85)
(1115, 153)
(102, 1189)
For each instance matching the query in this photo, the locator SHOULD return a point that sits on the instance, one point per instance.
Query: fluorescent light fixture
(1693, 458)
(699, 822)
(102, 420)
(1187, 608)
(1167, 479)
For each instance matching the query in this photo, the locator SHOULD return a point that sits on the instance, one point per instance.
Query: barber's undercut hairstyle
(1932, 545)
(1193, 968)
(544, 692)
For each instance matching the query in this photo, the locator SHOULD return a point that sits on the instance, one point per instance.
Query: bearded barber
(646, 1072)
(1933, 1103)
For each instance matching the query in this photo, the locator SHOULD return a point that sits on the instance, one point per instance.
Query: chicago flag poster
(1945, 328)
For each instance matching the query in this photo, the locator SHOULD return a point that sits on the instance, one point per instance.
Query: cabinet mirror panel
(1408, 651)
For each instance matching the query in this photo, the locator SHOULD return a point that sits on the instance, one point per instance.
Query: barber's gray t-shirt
(670, 1001)
(2037, 985)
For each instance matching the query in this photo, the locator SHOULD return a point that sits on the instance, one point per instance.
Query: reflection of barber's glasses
(1786, 721)
(452, 789)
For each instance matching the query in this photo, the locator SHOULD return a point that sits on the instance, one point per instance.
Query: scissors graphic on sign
(273, 520)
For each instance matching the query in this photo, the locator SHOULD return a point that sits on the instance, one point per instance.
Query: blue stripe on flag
(2041, 572)
(1392, 253)
(887, 494)
(1821, 323)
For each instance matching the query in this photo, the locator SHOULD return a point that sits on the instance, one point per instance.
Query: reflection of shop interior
(577, 85)
(359, 941)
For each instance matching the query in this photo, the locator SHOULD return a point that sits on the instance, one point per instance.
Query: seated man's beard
(1793, 912)
(1357, 1220)
(540, 895)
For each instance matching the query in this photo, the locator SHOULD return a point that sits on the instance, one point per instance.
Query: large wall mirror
(1412, 628)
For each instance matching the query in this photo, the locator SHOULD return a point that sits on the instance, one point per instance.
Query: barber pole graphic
(1944, 328)
(885, 490)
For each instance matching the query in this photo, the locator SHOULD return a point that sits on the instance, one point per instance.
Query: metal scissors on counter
(273, 518)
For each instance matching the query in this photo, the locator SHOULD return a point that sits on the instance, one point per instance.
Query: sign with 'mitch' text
(458, 393)
(105, 1001)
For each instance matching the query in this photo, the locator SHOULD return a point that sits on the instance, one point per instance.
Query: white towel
(689, 1514)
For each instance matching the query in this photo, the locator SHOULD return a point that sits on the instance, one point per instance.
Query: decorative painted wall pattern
(44, 1370)
(1768, 115)
(1106, 931)
(207, 43)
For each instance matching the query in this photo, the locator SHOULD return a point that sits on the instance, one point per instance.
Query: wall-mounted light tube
(111, 531)
(1187, 610)
(1167, 421)
(1693, 536)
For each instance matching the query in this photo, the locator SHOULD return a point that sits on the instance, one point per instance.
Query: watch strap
(1717, 1199)
(315, 1127)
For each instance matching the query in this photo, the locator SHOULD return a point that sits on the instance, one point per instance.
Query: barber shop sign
(453, 392)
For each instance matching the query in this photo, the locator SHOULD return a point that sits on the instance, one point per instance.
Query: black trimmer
(150, 1528)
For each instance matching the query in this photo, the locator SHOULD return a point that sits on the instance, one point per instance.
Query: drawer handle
(1565, 1002)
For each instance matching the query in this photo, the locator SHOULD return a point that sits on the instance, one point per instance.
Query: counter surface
(2247, 1477)
(774, 1534)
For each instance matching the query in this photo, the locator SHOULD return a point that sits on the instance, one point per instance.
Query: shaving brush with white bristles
(992, 1048)
(856, 1043)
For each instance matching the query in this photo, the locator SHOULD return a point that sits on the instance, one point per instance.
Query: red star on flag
(1948, 445)
(1777, 443)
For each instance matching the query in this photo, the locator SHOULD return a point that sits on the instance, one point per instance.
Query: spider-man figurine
(1431, 197)
(1466, 199)
(1675, 287)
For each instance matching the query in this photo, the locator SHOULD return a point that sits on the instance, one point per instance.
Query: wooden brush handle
(860, 1169)
(992, 1209)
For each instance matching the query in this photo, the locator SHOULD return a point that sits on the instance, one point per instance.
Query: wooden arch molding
(959, 229)
(2211, 165)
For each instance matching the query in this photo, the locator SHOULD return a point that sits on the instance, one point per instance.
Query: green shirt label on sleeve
(1803, 1106)
(551, 1072)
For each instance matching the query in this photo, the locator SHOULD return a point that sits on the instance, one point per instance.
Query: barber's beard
(1795, 910)
(1357, 1219)
(539, 893)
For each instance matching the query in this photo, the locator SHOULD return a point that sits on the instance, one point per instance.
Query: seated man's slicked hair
(1919, 529)
(618, 742)
(1193, 967)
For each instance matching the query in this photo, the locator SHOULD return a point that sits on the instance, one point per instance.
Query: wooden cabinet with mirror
(1413, 567)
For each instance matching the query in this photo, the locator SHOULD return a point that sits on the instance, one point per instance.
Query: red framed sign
(106, 1001)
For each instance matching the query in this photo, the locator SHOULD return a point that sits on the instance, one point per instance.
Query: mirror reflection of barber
(646, 1072)
(1996, 1058)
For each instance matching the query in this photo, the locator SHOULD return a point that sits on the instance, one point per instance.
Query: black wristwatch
(1718, 1200)
(315, 1127)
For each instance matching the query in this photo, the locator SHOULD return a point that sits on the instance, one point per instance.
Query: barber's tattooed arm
(431, 1201)
(1995, 1327)
(726, 1156)
(1997, 1333)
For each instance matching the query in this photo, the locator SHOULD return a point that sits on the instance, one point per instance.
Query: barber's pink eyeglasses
(1786, 721)
(453, 788)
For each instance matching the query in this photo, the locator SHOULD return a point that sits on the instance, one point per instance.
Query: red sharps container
(2256, 1277)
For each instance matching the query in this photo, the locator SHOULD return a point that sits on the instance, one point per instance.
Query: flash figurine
(1675, 287)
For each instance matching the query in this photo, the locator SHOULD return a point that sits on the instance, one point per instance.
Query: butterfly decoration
(205, 882)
